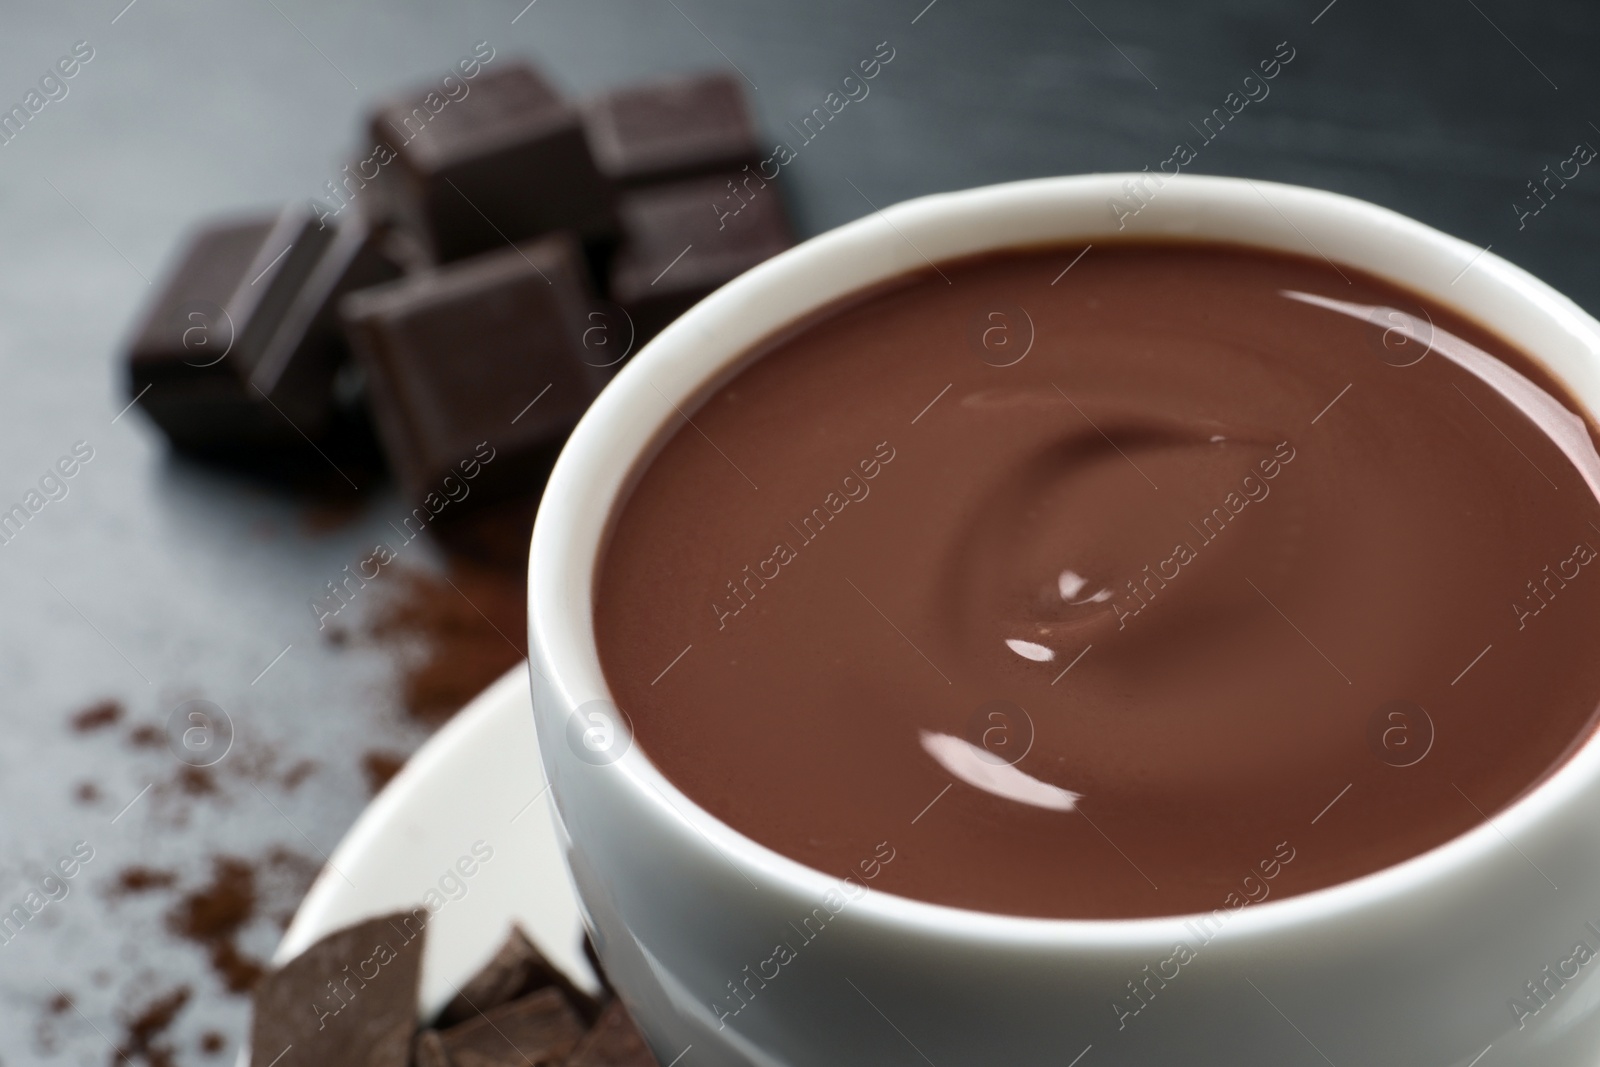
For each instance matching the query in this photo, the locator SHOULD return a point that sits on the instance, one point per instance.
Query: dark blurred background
(158, 580)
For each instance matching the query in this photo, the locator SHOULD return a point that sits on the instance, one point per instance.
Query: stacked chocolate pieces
(241, 347)
(351, 998)
(507, 250)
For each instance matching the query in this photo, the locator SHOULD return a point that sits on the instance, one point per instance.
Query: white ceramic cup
(1424, 963)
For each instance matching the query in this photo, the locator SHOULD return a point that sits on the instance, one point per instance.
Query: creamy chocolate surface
(1190, 577)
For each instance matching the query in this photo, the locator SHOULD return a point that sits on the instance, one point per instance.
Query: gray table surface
(155, 581)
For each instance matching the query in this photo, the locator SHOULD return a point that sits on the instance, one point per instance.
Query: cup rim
(586, 485)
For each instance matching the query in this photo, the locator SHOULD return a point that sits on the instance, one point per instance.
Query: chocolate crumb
(298, 773)
(147, 736)
(46, 1039)
(212, 1042)
(142, 1031)
(212, 917)
(239, 973)
(132, 880)
(379, 767)
(97, 716)
(87, 793)
(196, 781)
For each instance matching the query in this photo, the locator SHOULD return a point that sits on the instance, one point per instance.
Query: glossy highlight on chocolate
(1103, 590)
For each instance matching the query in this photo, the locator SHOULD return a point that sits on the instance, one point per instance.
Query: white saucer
(479, 779)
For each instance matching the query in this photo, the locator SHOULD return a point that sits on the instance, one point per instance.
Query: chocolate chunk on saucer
(477, 371)
(613, 1042)
(351, 998)
(515, 970)
(539, 1030)
(685, 239)
(671, 129)
(428, 1051)
(504, 160)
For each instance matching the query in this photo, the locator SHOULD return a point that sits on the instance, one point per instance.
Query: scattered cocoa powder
(134, 880)
(239, 972)
(298, 773)
(263, 764)
(456, 632)
(380, 767)
(196, 781)
(46, 1039)
(142, 1030)
(213, 915)
(87, 792)
(239, 892)
(221, 907)
(492, 535)
(97, 716)
(147, 736)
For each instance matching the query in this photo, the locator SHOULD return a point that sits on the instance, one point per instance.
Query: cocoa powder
(455, 632)
(97, 716)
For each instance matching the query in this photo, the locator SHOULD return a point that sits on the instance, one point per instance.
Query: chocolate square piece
(428, 1051)
(672, 129)
(614, 1042)
(537, 1031)
(290, 254)
(505, 161)
(685, 239)
(240, 348)
(177, 363)
(351, 998)
(516, 969)
(477, 371)
(296, 366)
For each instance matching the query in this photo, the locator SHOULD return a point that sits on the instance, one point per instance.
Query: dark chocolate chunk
(297, 365)
(613, 1042)
(672, 129)
(380, 204)
(288, 257)
(477, 371)
(540, 1030)
(176, 361)
(516, 969)
(504, 161)
(428, 1051)
(240, 348)
(685, 239)
(349, 998)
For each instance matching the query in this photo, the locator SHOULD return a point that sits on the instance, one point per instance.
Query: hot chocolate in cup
(1443, 911)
